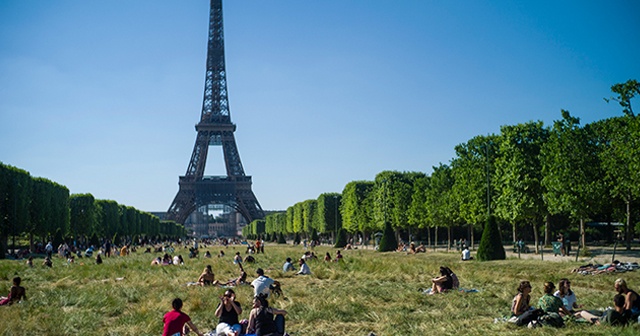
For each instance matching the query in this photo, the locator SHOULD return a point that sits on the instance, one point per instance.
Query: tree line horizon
(524, 176)
(45, 211)
(557, 177)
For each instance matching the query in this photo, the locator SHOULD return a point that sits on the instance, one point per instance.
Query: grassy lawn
(368, 292)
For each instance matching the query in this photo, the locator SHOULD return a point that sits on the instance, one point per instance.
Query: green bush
(296, 239)
(388, 241)
(281, 239)
(491, 243)
(341, 240)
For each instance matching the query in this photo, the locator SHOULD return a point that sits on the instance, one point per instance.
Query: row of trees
(42, 210)
(524, 176)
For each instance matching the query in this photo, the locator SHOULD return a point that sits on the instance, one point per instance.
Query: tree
(442, 206)
(519, 175)
(626, 91)
(341, 240)
(572, 171)
(474, 160)
(388, 241)
(619, 150)
(328, 217)
(308, 213)
(491, 243)
(418, 212)
(15, 192)
(84, 215)
(356, 209)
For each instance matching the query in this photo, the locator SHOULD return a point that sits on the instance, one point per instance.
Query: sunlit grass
(367, 292)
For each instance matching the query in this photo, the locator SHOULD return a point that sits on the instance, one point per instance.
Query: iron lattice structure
(215, 129)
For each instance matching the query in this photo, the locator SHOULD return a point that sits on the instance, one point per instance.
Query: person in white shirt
(288, 266)
(304, 268)
(466, 254)
(261, 284)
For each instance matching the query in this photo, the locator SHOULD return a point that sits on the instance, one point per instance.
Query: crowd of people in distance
(554, 307)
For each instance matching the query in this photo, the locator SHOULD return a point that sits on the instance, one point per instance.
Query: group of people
(263, 320)
(207, 278)
(167, 259)
(553, 306)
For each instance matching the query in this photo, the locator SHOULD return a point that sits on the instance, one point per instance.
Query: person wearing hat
(261, 284)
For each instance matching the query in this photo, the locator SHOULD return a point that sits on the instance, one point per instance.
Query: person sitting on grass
(98, 259)
(16, 293)
(567, 296)
(338, 256)
(631, 301)
(262, 284)
(175, 320)
(304, 268)
(287, 266)
(47, 262)
(614, 317)
(240, 280)
(421, 249)
(237, 259)
(227, 312)
(207, 278)
(466, 254)
(520, 303)
(549, 303)
(412, 248)
(262, 321)
(442, 283)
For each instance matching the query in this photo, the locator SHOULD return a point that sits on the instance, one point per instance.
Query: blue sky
(103, 96)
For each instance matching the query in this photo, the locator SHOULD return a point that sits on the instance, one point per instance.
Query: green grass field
(368, 292)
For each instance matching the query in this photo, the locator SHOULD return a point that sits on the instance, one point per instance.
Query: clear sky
(103, 96)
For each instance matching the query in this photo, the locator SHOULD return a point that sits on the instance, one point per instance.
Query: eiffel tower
(215, 129)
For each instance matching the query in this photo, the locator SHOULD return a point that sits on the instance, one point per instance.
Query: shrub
(296, 239)
(388, 241)
(281, 239)
(491, 243)
(341, 240)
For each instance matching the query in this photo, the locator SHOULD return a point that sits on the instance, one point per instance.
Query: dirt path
(599, 254)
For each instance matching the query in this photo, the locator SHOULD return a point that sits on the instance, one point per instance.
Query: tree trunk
(435, 245)
(472, 235)
(428, 236)
(535, 236)
(513, 232)
(448, 237)
(547, 230)
(4, 245)
(583, 238)
(628, 226)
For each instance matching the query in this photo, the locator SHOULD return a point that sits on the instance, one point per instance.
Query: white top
(466, 254)
(304, 269)
(261, 285)
(568, 300)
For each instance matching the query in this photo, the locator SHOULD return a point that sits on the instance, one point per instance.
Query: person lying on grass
(240, 280)
(614, 317)
(175, 320)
